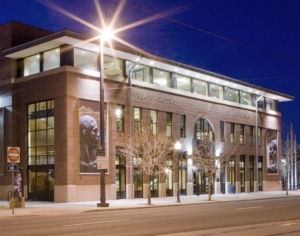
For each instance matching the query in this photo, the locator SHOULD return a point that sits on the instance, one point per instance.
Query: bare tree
(205, 159)
(149, 152)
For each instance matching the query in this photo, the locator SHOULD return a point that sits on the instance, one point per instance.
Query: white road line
(99, 222)
(247, 208)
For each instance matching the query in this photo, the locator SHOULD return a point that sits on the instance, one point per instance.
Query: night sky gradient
(254, 41)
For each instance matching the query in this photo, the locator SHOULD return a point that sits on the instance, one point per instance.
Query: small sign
(13, 154)
(102, 163)
(13, 168)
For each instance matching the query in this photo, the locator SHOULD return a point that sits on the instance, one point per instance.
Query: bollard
(12, 205)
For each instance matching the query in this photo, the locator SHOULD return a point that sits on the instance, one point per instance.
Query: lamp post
(256, 137)
(177, 147)
(104, 35)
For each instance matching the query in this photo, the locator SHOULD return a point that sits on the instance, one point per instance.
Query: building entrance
(41, 181)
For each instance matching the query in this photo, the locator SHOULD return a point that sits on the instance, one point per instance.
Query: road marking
(98, 222)
(288, 224)
(247, 208)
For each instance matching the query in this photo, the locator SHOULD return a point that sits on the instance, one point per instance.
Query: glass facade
(32, 65)
(51, 59)
(153, 121)
(183, 83)
(162, 78)
(114, 66)
(40, 152)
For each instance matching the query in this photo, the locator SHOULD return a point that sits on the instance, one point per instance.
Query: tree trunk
(209, 188)
(149, 194)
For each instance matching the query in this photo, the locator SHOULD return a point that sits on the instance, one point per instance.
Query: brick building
(49, 85)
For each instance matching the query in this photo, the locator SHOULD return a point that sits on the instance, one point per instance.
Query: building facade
(49, 109)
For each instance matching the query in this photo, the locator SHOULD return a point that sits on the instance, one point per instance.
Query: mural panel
(272, 158)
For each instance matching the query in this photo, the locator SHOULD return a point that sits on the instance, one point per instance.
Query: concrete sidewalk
(50, 208)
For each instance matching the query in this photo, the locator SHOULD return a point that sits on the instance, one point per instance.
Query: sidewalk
(50, 208)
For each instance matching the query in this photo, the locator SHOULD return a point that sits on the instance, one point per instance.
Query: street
(264, 214)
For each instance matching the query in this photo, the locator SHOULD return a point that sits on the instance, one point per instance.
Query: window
(182, 126)
(169, 124)
(139, 72)
(232, 138)
(222, 130)
(251, 173)
(242, 134)
(153, 121)
(251, 138)
(162, 78)
(137, 116)
(232, 171)
(203, 130)
(120, 118)
(245, 98)
(120, 174)
(183, 83)
(215, 91)
(40, 134)
(85, 59)
(32, 65)
(113, 66)
(259, 135)
(242, 173)
(51, 59)
(200, 87)
(231, 95)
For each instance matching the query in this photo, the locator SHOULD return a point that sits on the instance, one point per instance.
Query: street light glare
(106, 34)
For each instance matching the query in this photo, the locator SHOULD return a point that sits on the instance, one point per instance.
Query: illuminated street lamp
(256, 137)
(105, 35)
(177, 147)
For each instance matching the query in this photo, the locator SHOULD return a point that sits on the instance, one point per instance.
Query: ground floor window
(40, 150)
(138, 183)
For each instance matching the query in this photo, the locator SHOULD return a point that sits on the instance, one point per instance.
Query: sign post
(13, 157)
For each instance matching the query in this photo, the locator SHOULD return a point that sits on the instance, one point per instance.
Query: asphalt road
(164, 220)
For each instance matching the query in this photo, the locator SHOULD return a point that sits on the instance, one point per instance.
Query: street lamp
(256, 137)
(177, 147)
(105, 34)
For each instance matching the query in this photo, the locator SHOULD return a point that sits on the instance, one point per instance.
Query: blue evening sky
(256, 41)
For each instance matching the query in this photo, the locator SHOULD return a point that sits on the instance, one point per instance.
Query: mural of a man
(272, 167)
(89, 141)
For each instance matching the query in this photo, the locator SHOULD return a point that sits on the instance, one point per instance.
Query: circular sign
(13, 154)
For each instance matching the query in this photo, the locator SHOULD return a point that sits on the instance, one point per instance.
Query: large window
(200, 87)
(113, 66)
(231, 95)
(216, 91)
(222, 130)
(139, 72)
(40, 151)
(162, 78)
(203, 130)
(32, 65)
(242, 172)
(41, 133)
(183, 83)
(85, 59)
(246, 98)
(51, 59)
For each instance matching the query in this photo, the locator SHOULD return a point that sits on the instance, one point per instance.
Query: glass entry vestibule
(40, 151)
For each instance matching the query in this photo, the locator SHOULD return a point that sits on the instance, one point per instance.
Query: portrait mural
(88, 135)
(272, 164)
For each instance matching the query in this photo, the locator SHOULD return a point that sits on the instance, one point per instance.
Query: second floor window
(232, 138)
(154, 121)
(182, 126)
(242, 136)
(137, 116)
(169, 124)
